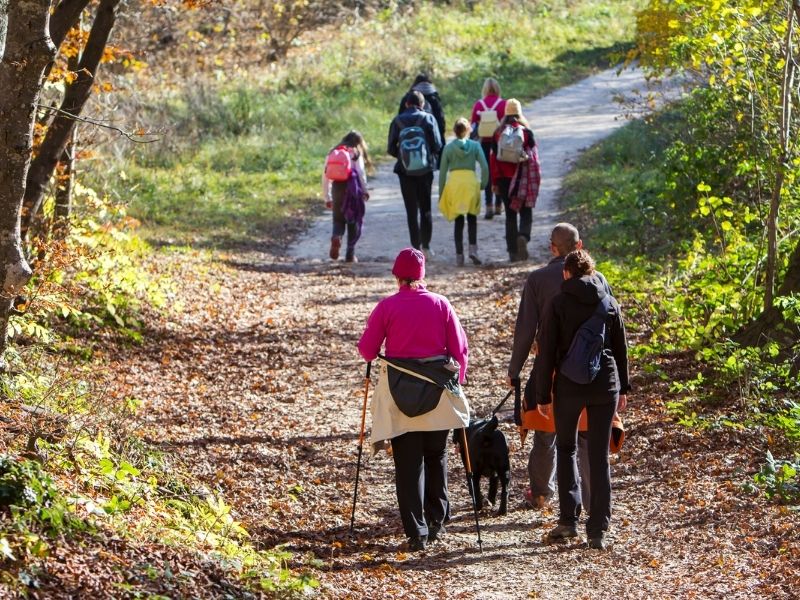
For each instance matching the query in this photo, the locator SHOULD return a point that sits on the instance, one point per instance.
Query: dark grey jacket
(540, 288)
(409, 117)
(567, 311)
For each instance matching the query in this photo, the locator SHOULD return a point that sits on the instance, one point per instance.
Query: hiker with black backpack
(540, 287)
(583, 341)
(516, 176)
(344, 188)
(486, 116)
(415, 142)
(433, 103)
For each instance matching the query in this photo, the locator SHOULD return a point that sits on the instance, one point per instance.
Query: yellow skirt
(461, 194)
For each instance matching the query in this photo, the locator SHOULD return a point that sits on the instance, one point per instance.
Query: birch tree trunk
(3, 26)
(28, 52)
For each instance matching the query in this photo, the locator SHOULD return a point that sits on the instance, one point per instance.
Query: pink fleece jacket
(415, 324)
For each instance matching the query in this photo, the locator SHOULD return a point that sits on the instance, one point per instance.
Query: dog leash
(503, 401)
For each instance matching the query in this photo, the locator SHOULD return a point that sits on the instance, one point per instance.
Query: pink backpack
(339, 164)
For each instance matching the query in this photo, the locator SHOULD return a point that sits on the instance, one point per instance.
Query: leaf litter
(256, 386)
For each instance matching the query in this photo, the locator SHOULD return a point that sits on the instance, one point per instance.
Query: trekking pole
(360, 445)
(471, 486)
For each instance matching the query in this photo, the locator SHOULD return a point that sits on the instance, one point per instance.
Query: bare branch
(132, 136)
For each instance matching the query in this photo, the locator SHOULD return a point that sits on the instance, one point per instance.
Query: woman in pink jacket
(486, 116)
(418, 327)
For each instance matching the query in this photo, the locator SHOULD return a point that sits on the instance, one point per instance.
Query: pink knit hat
(409, 264)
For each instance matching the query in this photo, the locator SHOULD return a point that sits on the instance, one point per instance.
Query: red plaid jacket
(524, 188)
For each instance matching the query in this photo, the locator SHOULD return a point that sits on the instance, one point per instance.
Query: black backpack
(582, 361)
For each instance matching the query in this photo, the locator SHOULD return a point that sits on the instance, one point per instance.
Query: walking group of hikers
(497, 142)
(568, 320)
(571, 325)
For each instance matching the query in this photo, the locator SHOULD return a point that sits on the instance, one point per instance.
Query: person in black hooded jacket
(580, 294)
(433, 104)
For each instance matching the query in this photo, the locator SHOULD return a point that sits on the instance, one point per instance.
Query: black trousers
(566, 412)
(420, 465)
(525, 217)
(487, 150)
(416, 190)
(472, 232)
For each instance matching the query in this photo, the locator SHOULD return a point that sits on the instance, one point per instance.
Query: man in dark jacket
(540, 287)
(416, 187)
(433, 104)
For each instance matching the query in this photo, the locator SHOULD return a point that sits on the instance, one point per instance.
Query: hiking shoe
(436, 532)
(428, 253)
(562, 532)
(489, 213)
(498, 209)
(417, 543)
(532, 501)
(350, 257)
(597, 543)
(473, 255)
(459, 260)
(336, 243)
(513, 257)
(522, 248)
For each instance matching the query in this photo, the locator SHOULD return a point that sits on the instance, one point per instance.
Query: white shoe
(473, 255)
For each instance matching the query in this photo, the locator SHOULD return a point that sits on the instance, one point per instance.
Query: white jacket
(388, 421)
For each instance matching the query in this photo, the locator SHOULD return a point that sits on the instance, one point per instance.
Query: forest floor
(256, 387)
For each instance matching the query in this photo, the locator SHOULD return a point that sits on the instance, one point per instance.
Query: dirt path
(257, 386)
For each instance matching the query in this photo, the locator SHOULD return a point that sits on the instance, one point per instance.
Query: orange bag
(533, 420)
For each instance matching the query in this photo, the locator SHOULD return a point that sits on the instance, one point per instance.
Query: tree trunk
(765, 327)
(66, 177)
(3, 26)
(787, 85)
(63, 123)
(28, 52)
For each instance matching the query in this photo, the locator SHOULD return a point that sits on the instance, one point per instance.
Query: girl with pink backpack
(344, 189)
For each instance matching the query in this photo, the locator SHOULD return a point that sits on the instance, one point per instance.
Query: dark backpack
(582, 361)
(413, 149)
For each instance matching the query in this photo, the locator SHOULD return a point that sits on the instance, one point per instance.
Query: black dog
(488, 453)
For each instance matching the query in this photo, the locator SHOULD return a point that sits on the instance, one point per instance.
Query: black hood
(425, 88)
(586, 290)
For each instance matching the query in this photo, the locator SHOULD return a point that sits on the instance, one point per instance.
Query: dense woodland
(148, 147)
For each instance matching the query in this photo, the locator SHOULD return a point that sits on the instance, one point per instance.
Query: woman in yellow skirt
(459, 189)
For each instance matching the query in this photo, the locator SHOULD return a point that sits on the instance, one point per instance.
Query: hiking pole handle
(360, 445)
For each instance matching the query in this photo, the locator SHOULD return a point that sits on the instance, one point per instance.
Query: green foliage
(780, 479)
(98, 276)
(31, 508)
(241, 157)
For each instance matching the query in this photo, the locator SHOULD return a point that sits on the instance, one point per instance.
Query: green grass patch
(241, 157)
